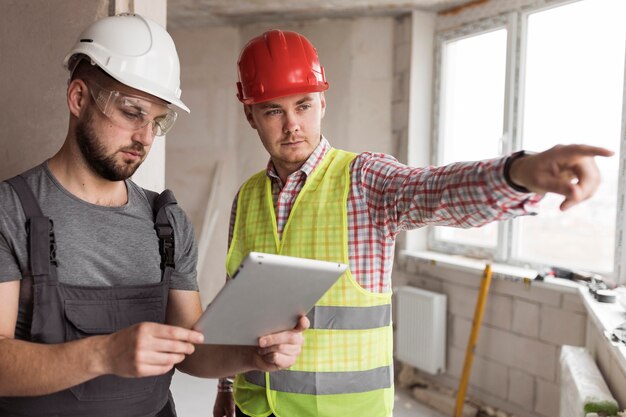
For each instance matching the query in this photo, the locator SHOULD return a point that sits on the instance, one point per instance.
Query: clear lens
(131, 112)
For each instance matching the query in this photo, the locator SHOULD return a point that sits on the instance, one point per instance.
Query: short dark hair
(82, 67)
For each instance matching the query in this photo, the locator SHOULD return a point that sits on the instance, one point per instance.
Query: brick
(499, 311)
(489, 376)
(427, 283)
(521, 388)
(530, 355)
(616, 381)
(593, 339)
(525, 318)
(562, 327)
(460, 331)
(602, 356)
(573, 302)
(462, 302)
(530, 293)
(456, 276)
(548, 398)
(485, 375)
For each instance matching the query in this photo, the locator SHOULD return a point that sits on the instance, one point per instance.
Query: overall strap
(162, 225)
(39, 229)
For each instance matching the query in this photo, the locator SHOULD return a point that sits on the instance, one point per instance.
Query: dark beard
(94, 153)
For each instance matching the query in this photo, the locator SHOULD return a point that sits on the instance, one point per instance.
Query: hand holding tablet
(267, 294)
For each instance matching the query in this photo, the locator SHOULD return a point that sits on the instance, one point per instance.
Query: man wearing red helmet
(316, 201)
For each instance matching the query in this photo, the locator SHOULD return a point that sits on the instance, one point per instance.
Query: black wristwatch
(507, 171)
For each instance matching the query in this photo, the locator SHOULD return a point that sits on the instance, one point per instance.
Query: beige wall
(35, 35)
(202, 149)
(357, 58)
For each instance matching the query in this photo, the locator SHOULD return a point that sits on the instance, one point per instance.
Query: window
(528, 80)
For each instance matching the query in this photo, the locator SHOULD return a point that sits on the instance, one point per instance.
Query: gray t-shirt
(95, 245)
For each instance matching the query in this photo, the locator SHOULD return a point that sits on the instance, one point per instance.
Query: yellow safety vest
(345, 368)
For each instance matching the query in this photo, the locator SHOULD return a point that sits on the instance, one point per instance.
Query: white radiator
(421, 329)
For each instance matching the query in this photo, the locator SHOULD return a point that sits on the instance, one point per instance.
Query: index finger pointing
(587, 150)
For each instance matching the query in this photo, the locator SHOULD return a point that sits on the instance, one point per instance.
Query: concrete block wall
(610, 367)
(516, 363)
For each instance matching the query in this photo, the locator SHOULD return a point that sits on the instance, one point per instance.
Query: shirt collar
(309, 165)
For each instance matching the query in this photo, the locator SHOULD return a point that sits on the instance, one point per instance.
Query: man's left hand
(280, 350)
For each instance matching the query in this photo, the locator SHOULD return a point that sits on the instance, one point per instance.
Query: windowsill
(499, 271)
(605, 316)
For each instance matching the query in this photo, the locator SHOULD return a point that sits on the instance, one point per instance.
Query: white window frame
(515, 22)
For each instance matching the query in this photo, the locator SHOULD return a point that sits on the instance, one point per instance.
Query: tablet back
(267, 294)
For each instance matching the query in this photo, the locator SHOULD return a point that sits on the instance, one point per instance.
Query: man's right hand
(224, 405)
(146, 349)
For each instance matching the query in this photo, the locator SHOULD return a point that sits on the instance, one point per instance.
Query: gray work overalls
(62, 313)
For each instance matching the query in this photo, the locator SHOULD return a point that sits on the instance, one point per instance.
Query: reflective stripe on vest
(349, 318)
(323, 383)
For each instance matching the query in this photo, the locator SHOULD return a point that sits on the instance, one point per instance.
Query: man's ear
(323, 104)
(77, 97)
(247, 109)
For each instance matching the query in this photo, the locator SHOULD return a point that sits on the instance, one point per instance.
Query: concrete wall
(357, 55)
(516, 363)
(35, 35)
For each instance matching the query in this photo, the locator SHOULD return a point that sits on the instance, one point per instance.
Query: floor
(194, 398)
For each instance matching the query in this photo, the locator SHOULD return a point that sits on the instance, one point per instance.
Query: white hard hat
(136, 51)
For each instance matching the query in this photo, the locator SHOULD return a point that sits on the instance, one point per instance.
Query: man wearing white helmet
(97, 275)
(316, 201)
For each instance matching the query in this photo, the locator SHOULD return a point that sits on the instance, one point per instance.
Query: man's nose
(145, 135)
(291, 125)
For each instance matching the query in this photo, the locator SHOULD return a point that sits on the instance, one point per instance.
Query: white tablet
(267, 294)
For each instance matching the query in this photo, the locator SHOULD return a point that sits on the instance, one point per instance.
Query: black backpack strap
(39, 229)
(162, 225)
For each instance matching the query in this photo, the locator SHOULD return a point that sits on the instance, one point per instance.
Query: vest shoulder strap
(27, 198)
(39, 230)
(162, 225)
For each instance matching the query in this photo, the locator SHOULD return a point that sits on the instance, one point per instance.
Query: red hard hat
(277, 64)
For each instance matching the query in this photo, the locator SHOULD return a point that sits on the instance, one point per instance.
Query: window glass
(574, 72)
(471, 113)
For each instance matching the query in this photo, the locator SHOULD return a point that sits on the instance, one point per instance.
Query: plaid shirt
(387, 197)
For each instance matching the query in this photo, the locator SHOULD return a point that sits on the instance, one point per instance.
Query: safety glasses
(130, 112)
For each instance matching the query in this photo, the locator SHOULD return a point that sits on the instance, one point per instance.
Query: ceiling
(195, 13)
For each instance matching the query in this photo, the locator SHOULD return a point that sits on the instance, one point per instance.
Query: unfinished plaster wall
(216, 139)
(34, 38)
(516, 362)
(202, 149)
